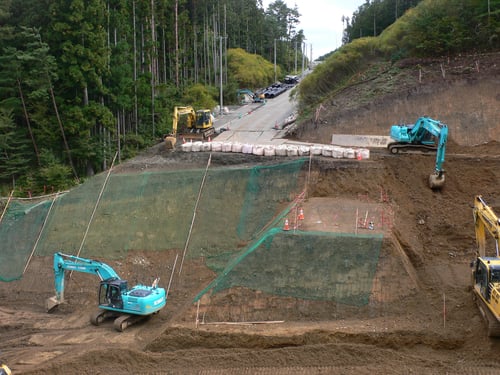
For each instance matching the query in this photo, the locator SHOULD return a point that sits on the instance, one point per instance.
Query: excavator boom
(485, 220)
(64, 262)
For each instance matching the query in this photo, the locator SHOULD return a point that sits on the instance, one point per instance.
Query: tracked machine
(116, 301)
(191, 123)
(426, 135)
(244, 94)
(486, 269)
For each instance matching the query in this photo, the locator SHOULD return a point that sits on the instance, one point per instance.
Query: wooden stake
(356, 223)
(197, 312)
(444, 310)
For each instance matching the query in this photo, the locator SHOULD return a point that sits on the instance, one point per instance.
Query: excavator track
(493, 325)
(100, 315)
(126, 320)
(405, 148)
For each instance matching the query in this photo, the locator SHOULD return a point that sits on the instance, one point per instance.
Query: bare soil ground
(420, 318)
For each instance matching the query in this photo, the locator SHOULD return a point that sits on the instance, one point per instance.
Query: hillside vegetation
(434, 28)
(83, 82)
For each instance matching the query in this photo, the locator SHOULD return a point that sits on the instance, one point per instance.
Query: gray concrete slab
(368, 141)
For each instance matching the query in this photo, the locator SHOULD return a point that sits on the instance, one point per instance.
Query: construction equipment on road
(125, 306)
(190, 123)
(486, 269)
(245, 96)
(423, 136)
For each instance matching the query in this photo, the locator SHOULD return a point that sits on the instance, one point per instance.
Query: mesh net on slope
(150, 211)
(237, 229)
(301, 264)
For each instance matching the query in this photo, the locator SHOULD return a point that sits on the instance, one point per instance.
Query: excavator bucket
(51, 303)
(436, 181)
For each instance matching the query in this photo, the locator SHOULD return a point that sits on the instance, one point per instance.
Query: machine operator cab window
(495, 275)
(110, 293)
(202, 119)
(481, 278)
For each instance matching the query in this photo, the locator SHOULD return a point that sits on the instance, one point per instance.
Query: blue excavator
(426, 135)
(243, 94)
(126, 306)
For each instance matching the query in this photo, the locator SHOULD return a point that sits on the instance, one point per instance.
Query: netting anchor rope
(95, 207)
(194, 213)
(172, 275)
(40, 233)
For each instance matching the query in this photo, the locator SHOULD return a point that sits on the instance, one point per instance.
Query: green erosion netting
(237, 229)
(19, 230)
(151, 211)
(301, 264)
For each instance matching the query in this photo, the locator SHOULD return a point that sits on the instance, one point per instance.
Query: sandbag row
(279, 150)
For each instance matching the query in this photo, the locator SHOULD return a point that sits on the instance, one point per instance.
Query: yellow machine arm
(485, 220)
(182, 111)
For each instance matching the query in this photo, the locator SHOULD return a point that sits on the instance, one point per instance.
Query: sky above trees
(322, 23)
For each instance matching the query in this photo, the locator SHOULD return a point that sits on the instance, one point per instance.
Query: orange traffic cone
(301, 214)
(286, 226)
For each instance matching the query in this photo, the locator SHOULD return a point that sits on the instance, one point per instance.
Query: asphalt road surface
(256, 123)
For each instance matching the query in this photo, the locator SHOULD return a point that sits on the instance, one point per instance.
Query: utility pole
(220, 58)
(295, 71)
(311, 58)
(303, 55)
(275, 60)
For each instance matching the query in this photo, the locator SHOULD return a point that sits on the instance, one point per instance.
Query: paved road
(255, 123)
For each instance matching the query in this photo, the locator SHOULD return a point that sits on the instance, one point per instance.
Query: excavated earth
(420, 318)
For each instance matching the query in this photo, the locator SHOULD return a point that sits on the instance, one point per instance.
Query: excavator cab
(110, 293)
(203, 119)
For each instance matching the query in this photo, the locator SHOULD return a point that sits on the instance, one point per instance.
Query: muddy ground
(420, 318)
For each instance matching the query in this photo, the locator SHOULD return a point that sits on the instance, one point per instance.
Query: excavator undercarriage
(121, 321)
(492, 323)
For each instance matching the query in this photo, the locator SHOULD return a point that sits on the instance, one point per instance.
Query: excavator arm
(436, 180)
(64, 262)
(183, 111)
(425, 135)
(485, 220)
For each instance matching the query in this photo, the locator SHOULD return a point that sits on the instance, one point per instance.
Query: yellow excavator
(4, 369)
(190, 123)
(486, 269)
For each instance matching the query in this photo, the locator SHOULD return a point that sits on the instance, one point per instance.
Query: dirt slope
(420, 318)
